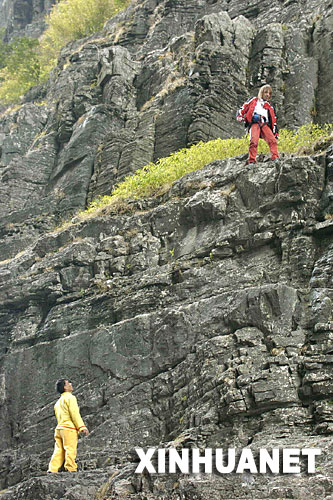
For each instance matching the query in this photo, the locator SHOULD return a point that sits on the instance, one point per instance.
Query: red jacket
(246, 112)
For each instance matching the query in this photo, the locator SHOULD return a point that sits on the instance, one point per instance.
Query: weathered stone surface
(63, 488)
(24, 17)
(202, 318)
(107, 108)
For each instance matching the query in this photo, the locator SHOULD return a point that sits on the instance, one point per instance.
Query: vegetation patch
(71, 20)
(26, 62)
(20, 68)
(156, 178)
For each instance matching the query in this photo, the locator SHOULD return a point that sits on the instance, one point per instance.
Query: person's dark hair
(60, 385)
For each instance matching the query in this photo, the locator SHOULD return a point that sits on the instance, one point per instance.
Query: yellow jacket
(68, 413)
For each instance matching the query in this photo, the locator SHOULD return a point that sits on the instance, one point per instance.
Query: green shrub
(304, 138)
(20, 70)
(156, 178)
(71, 20)
(27, 61)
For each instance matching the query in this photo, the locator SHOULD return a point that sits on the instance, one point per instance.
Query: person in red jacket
(69, 425)
(259, 117)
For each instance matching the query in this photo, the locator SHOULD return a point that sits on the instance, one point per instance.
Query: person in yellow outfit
(69, 425)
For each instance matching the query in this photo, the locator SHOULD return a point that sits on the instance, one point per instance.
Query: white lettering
(290, 458)
(145, 462)
(186, 461)
(230, 467)
(161, 460)
(246, 461)
(206, 460)
(181, 461)
(311, 453)
(265, 459)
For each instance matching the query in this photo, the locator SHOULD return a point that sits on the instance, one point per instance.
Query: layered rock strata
(201, 319)
(21, 18)
(160, 77)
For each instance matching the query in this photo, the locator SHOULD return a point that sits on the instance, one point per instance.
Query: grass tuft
(156, 178)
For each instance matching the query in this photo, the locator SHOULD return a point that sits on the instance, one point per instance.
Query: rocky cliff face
(24, 17)
(162, 75)
(201, 318)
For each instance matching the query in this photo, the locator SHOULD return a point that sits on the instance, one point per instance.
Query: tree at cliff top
(29, 61)
(71, 20)
(20, 69)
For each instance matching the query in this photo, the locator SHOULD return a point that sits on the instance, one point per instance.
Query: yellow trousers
(64, 450)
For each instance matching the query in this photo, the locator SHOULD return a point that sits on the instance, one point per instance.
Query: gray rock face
(24, 17)
(202, 318)
(108, 106)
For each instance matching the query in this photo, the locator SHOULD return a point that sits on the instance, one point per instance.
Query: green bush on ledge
(156, 178)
